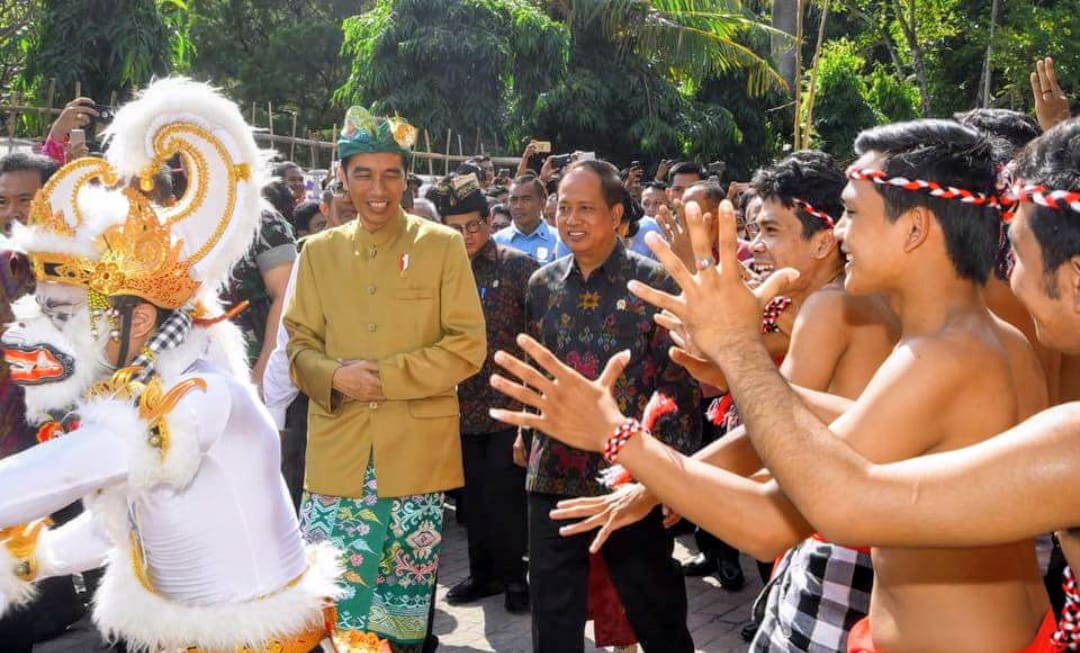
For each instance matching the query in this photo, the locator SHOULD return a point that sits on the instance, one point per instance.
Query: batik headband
(364, 133)
(810, 210)
(934, 189)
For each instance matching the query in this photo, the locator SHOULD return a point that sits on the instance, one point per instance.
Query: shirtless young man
(1018, 484)
(932, 254)
(837, 344)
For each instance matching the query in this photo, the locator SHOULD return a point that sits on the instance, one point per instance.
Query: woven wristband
(619, 437)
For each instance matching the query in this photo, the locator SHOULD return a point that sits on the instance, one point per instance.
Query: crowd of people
(859, 376)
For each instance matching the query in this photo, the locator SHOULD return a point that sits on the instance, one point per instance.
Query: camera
(560, 161)
(105, 114)
(717, 168)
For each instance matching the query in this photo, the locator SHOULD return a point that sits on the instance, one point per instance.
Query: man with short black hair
(494, 484)
(21, 175)
(579, 306)
(680, 177)
(529, 232)
(653, 196)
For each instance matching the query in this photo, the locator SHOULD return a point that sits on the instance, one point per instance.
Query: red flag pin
(403, 263)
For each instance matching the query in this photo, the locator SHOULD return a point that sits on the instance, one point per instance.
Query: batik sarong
(391, 554)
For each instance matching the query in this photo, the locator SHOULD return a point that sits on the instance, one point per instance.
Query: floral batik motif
(391, 555)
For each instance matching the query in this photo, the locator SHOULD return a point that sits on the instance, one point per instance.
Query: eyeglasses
(470, 227)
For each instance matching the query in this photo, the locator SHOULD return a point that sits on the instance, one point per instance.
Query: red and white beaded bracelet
(619, 437)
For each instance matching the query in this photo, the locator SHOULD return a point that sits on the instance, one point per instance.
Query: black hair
(281, 168)
(24, 161)
(743, 200)
(1010, 129)
(655, 185)
(280, 196)
(535, 183)
(495, 191)
(712, 189)
(610, 185)
(684, 168)
(809, 175)
(501, 208)
(333, 188)
(303, 214)
(1053, 161)
(949, 154)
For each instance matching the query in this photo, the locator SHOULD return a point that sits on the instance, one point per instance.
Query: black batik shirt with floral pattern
(502, 279)
(274, 246)
(587, 321)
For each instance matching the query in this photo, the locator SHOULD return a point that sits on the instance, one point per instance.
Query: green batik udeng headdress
(364, 133)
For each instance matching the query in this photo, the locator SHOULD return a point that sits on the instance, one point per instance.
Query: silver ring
(705, 262)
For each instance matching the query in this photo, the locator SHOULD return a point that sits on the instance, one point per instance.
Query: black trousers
(294, 448)
(495, 495)
(708, 543)
(649, 582)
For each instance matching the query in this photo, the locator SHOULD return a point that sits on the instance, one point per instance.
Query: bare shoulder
(841, 312)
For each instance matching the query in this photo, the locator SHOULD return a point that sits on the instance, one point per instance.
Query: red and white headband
(933, 188)
(820, 215)
(1058, 200)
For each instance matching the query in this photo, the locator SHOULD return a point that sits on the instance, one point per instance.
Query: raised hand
(572, 409)
(1051, 103)
(627, 505)
(716, 308)
(674, 227)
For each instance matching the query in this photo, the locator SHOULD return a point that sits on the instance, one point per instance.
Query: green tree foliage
(1033, 29)
(841, 109)
(472, 66)
(639, 74)
(891, 98)
(17, 18)
(286, 53)
(106, 45)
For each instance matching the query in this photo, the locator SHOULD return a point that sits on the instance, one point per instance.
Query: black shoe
(700, 565)
(470, 590)
(730, 575)
(431, 643)
(517, 597)
(748, 631)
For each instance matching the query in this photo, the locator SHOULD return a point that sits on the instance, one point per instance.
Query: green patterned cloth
(391, 550)
(364, 133)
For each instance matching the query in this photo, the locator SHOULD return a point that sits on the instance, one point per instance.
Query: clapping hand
(572, 409)
(716, 309)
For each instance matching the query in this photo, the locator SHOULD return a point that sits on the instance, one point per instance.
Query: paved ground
(715, 615)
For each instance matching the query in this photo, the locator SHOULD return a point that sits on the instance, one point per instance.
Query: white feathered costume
(179, 471)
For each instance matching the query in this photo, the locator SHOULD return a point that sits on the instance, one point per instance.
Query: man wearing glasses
(494, 484)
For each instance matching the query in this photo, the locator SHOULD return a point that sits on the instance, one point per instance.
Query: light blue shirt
(542, 245)
(645, 225)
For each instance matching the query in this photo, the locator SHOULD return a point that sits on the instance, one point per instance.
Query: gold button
(373, 405)
(372, 252)
(371, 326)
(371, 289)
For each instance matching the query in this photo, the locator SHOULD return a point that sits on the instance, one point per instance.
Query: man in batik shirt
(580, 308)
(384, 323)
(494, 484)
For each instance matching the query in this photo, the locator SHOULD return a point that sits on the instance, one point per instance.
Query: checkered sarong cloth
(818, 593)
(169, 335)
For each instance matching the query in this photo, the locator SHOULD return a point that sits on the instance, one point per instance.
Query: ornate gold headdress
(89, 226)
